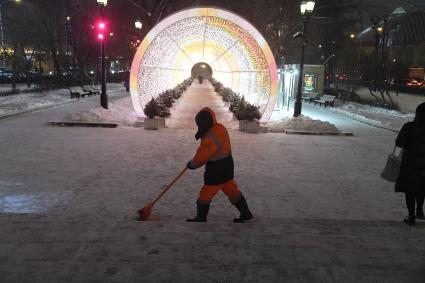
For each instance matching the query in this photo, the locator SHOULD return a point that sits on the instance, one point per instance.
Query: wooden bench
(91, 89)
(309, 97)
(325, 100)
(77, 91)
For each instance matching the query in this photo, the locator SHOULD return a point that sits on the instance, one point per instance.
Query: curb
(346, 134)
(83, 124)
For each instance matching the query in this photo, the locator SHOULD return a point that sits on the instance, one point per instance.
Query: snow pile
(120, 111)
(302, 123)
(375, 115)
(28, 101)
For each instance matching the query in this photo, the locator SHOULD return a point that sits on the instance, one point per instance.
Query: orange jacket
(214, 150)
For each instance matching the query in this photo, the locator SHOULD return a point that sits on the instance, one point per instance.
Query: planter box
(161, 122)
(139, 123)
(252, 127)
(264, 129)
(151, 123)
(242, 125)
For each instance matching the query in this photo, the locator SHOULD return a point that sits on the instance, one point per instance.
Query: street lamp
(306, 9)
(138, 24)
(102, 2)
(102, 37)
(2, 2)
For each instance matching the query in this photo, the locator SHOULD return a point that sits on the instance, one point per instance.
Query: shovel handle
(169, 186)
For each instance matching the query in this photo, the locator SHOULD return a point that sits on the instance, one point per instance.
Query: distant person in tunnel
(411, 179)
(215, 153)
(200, 79)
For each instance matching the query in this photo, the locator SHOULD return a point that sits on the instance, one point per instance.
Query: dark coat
(412, 171)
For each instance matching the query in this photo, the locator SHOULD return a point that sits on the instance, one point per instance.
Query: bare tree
(23, 35)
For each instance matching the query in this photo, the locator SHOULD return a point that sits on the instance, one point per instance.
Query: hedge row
(160, 106)
(242, 109)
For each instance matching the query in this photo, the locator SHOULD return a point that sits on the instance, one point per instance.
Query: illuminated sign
(237, 53)
(309, 84)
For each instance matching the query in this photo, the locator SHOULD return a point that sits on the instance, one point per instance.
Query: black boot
(410, 220)
(202, 212)
(420, 214)
(242, 206)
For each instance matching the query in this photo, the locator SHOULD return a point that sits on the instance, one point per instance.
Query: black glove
(189, 166)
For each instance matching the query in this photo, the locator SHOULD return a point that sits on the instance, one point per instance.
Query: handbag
(392, 168)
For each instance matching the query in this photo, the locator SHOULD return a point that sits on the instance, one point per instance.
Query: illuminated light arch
(238, 54)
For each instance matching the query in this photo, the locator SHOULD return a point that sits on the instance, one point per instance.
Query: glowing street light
(307, 7)
(352, 35)
(138, 24)
(102, 2)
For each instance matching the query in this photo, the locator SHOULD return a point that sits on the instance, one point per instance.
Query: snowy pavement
(406, 101)
(21, 103)
(323, 214)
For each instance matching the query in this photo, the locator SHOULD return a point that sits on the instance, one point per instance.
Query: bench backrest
(310, 94)
(75, 88)
(327, 97)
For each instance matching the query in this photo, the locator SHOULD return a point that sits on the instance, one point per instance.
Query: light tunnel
(237, 53)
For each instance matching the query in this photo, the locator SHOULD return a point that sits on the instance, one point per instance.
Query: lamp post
(306, 8)
(2, 2)
(102, 37)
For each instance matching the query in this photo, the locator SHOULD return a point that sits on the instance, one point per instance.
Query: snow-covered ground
(28, 101)
(121, 111)
(301, 123)
(197, 96)
(322, 212)
(406, 101)
(374, 115)
(8, 87)
(31, 101)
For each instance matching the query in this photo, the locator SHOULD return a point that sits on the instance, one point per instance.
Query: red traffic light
(101, 27)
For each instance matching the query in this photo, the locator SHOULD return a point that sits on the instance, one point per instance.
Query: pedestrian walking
(411, 179)
(215, 153)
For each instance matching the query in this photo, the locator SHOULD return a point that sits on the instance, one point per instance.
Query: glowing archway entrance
(239, 56)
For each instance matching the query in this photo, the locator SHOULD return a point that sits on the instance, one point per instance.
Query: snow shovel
(147, 210)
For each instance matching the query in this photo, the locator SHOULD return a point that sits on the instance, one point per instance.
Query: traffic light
(101, 30)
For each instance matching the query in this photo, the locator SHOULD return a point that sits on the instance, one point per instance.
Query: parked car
(6, 73)
(411, 83)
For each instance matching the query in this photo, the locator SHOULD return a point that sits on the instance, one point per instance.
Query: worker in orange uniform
(216, 154)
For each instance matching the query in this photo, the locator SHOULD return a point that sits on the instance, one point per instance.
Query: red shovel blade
(145, 212)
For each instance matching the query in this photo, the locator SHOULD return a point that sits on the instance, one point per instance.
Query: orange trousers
(229, 188)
